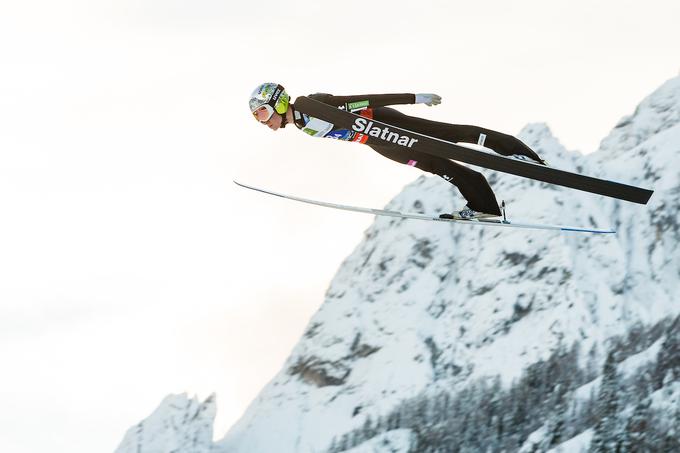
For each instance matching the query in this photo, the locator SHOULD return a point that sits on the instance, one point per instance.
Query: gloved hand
(428, 98)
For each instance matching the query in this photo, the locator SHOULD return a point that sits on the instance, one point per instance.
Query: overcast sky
(130, 265)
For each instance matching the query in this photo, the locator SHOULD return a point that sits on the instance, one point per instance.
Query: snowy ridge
(420, 307)
(656, 113)
(179, 424)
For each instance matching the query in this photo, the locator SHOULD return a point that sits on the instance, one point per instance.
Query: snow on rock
(668, 398)
(179, 424)
(656, 113)
(577, 444)
(539, 136)
(534, 441)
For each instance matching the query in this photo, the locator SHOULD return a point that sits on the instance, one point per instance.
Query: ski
(377, 133)
(407, 215)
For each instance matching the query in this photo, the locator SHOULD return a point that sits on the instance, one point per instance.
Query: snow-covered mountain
(179, 424)
(420, 308)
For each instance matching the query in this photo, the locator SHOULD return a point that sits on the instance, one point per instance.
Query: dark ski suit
(472, 184)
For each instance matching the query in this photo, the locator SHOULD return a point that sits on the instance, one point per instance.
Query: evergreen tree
(367, 430)
(592, 364)
(344, 443)
(394, 420)
(334, 446)
(635, 439)
(668, 360)
(557, 421)
(604, 440)
(422, 410)
(439, 407)
(672, 434)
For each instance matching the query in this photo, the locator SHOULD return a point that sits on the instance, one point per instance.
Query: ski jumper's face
(266, 115)
(274, 123)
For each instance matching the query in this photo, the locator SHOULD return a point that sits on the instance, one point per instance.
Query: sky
(132, 267)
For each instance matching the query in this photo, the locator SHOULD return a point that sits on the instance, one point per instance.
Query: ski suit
(471, 184)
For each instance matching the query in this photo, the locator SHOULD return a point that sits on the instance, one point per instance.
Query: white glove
(428, 98)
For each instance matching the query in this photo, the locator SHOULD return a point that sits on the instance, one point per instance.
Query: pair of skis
(407, 215)
(377, 133)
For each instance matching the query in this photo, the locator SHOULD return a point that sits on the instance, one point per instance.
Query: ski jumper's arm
(363, 101)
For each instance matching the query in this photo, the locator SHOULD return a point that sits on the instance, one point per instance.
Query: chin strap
(284, 118)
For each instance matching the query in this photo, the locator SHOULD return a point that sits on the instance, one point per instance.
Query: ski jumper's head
(269, 104)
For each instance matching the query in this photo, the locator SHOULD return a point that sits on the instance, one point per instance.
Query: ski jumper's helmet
(267, 99)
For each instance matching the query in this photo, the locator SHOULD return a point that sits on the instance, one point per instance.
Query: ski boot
(466, 214)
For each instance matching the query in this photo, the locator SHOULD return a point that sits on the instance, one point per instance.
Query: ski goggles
(263, 113)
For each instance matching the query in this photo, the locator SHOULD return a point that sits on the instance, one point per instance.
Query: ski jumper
(471, 184)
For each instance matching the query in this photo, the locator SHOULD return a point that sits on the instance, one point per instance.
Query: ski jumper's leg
(471, 184)
(503, 144)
